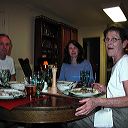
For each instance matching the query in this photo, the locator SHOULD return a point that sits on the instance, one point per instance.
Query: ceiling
(81, 13)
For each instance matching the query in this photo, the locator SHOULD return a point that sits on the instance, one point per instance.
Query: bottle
(38, 84)
(45, 89)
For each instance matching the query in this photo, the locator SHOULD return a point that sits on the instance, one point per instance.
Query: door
(92, 53)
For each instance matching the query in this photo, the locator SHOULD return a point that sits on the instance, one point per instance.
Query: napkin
(10, 104)
(103, 118)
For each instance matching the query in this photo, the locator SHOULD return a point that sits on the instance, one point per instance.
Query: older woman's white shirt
(119, 74)
(114, 89)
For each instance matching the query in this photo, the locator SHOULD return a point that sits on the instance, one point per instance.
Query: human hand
(101, 88)
(87, 105)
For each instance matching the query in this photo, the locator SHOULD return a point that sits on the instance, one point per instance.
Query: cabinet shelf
(49, 37)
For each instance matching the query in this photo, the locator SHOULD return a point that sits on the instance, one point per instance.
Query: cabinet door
(74, 34)
(65, 37)
(67, 34)
(37, 42)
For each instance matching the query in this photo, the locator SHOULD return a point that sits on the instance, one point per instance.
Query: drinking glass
(30, 90)
(5, 77)
(38, 80)
(82, 76)
(85, 77)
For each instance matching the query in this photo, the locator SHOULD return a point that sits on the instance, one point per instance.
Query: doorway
(92, 53)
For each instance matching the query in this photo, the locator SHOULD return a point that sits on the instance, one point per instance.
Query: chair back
(25, 67)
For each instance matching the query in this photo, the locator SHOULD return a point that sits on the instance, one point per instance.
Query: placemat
(10, 104)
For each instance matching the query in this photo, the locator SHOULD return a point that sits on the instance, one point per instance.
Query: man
(6, 62)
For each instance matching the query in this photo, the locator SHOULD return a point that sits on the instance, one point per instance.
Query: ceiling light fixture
(115, 13)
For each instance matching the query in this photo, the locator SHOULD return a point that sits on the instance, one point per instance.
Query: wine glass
(85, 77)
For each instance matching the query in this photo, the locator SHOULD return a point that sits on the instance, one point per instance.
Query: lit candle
(45, 64)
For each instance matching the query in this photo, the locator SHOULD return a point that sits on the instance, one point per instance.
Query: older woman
(114, 112)
(74, 62)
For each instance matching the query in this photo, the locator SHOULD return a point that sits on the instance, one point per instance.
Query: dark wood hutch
(50, 39)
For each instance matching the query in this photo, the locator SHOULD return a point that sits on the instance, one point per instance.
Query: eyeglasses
(106, 40)
(5, 44)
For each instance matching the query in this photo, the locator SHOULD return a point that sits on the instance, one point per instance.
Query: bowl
(18, 86)
(65, 85)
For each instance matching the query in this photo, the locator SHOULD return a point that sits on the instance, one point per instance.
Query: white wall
(20, 29)
(90, 32)
(19, 25)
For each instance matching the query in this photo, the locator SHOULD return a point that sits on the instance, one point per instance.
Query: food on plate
(18, 86)
(10, 93)
(82, 90)
(2, 93)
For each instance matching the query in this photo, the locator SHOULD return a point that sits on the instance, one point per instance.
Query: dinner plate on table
(11, 94)
(83, 92)
(65, 85)
(12, 82)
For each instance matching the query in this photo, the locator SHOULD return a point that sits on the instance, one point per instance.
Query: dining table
(46, 108)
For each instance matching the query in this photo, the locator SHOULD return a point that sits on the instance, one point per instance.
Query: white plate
(77, 92)
(64, 85)
(64, 82)
(12, 82)
(10, 94)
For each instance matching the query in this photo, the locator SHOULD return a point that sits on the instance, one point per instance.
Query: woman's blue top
(71, 72)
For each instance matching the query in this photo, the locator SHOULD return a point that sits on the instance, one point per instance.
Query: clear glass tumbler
(5, 77)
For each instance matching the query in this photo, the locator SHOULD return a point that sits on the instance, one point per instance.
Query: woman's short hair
(123, 32)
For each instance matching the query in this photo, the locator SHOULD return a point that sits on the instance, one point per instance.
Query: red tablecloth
(10, 104)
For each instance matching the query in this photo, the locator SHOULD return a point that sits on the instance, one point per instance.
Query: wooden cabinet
(50, 39)
(67, 33)
(47, 42)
